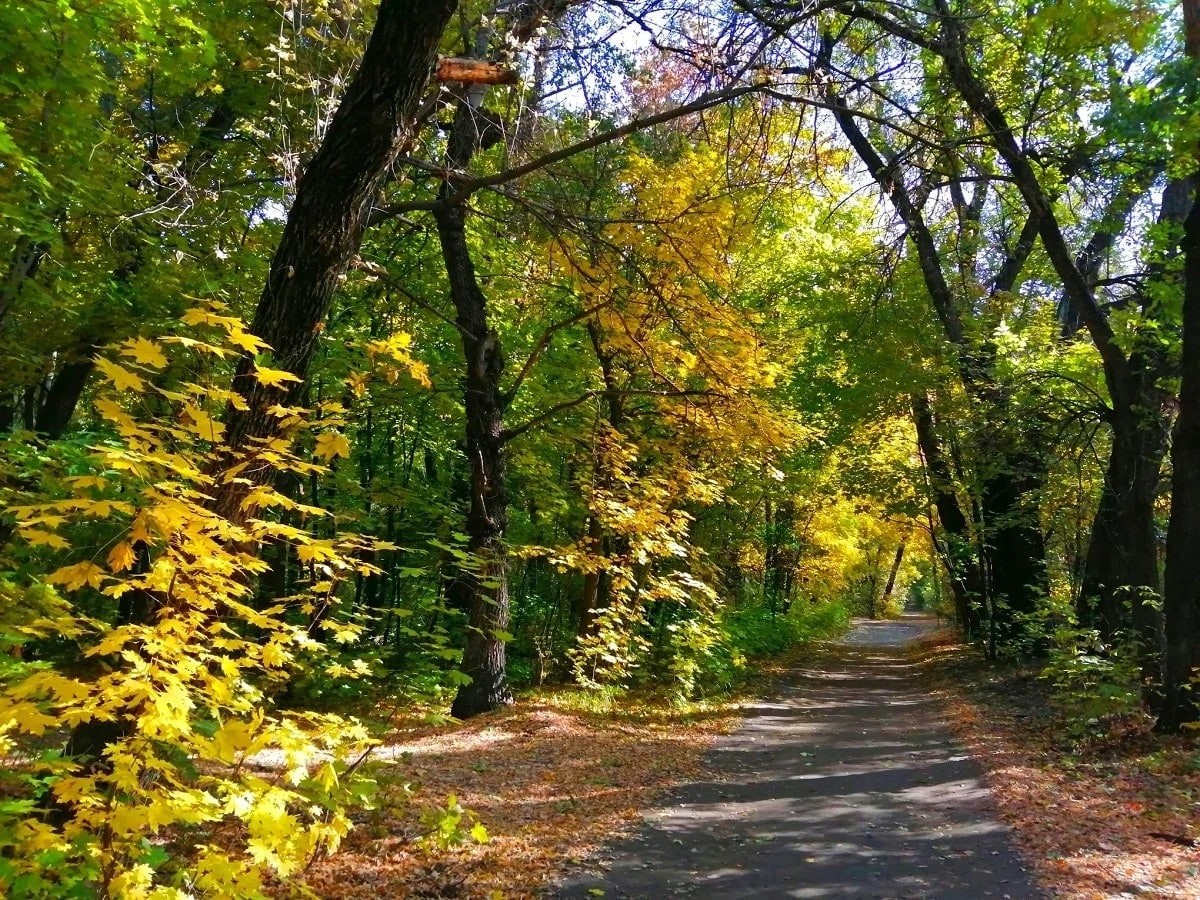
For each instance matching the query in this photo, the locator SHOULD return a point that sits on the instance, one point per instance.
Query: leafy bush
(1092, 680)
(169, 705)
(753, 631)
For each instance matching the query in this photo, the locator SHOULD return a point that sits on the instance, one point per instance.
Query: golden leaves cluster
(182, 679)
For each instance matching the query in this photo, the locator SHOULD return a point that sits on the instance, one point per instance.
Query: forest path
(847, 784)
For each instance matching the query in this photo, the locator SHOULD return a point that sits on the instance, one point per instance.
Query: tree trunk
(486, 583)
(324, 229)
(1015, 546)
(966, 577)
(1181, 704)
(61, 398)
(1121, 567)
(591, 597)
(890, 587)
(596, 584)
(1121, 583)
(1181, 600)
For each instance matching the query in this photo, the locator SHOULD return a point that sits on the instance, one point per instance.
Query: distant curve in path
(847, 784)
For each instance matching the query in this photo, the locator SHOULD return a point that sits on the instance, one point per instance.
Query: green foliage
(451, 825)
(755, 631)
(1092, 680)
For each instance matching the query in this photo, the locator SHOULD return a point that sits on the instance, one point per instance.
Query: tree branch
(541, 346)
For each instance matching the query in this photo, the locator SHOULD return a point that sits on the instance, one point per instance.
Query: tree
(1182, 602)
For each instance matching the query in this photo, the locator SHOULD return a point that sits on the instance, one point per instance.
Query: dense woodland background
(416, 352)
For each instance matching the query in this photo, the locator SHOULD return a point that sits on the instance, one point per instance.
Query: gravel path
(847, 784)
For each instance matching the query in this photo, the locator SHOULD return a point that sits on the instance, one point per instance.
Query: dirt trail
(847, 784)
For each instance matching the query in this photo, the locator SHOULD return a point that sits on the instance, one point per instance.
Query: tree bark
(324, 228)
(1181, 601)
(966, 577)
(486, 583)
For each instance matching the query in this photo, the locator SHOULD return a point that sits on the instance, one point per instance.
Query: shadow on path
(847, 784)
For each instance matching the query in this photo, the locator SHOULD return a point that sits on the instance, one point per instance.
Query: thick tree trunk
(61, 398)
(1015, 545)
(1121, 584)
(1121, 569)
(1181, 600)
(1181, 701)
(324, 229)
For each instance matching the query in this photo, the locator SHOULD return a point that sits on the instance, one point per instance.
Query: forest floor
(1110, 812)
(551, 779)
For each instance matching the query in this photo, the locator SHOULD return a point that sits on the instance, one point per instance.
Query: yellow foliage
(144, 352)
(122, 378)
(330, 445)
(184, 685)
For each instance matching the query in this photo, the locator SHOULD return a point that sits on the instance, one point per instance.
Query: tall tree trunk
(481, 588)
(486, 582)
(1181, 702)
(324, 229)
(593, 596)
(1121, 584)
(966, 576)
(1181, 601)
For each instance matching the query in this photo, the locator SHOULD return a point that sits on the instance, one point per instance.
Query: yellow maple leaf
(36, 536)
(201, 423)
(331, 444)
(144, 352)
(121, 557)
(246, 341)
(121, 377)
(274, 377)
(78, 575)
(27, 717)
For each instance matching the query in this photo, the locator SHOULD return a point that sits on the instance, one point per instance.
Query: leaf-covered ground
(551, 780)
(1108, 815)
